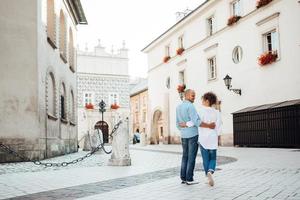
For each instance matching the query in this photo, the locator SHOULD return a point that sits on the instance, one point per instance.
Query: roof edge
(184, 18)
(77, 11)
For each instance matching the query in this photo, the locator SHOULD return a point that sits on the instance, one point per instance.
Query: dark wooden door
(103, 126)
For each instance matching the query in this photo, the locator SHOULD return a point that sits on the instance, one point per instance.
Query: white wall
(260, 85)
(18, 69)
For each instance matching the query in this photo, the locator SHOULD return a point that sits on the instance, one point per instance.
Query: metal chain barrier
(62, 164)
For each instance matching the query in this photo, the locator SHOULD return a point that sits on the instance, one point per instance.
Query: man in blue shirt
(185, 112)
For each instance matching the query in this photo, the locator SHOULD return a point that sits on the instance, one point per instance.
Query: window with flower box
(167, 56)
(180, 48)
(270, 41)
(212, 70)
(113, 99)
(88, 98)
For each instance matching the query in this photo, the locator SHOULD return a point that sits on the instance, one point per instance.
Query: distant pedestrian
(208, 138)
(136, 136)
(189, 136)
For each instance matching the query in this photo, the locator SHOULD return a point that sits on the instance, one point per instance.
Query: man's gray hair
(186, 92)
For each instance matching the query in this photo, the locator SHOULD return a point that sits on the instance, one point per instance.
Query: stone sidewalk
(244, 173)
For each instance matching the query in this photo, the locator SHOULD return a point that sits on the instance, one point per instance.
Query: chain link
(63, 164)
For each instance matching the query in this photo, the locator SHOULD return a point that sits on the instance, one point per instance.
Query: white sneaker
(191, 182)
(210, 179)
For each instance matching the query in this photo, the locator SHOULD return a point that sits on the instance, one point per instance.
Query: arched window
(51, 97)
(72, 107)
(51, 33)
(63, 102)
(71, 51)
(62, 37)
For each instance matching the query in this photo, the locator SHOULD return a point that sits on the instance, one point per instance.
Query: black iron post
(102, 109)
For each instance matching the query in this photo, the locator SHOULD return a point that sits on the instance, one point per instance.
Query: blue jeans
(209, 157)
(190, 148)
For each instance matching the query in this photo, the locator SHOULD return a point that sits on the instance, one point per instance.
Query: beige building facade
(38, 77)
(139, 110)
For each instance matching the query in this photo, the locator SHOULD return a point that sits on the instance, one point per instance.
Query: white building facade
(212, 49)
(102, 76)
(38, 77)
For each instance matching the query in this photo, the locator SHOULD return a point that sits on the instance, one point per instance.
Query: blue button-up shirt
(185, 112)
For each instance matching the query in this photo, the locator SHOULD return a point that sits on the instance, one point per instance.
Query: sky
(138, 22)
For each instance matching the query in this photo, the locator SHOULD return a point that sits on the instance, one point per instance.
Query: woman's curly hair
(211, 97)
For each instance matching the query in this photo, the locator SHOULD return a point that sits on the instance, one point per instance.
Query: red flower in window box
(89, 106)
(267, 58)
(180, 51)
(181, 88)
(261, 3)
(166, 59)
(114, 106)
(233, 19)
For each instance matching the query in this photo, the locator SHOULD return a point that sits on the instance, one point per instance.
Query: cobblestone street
(242, 173)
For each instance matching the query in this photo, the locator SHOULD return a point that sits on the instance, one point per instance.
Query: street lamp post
(102, 109)
(227, 81)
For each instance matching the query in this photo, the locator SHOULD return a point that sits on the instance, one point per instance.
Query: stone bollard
(86, 143)
(92, 141)
(120, 146)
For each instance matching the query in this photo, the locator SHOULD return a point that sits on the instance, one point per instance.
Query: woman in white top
(208, 138)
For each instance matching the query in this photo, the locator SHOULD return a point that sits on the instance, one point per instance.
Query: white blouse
(208, 138)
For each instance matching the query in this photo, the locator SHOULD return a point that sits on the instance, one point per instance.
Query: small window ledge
(63, 120)
(72, 123)
(51, 42)
(211, 80)
(269, 18)
(52, 117)
(72, 69)
(63, 57)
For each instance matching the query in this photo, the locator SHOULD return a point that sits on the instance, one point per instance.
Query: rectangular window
(180, 42)
(167, 50)
(181, 78)
(113, 98)
(236, 8)
(212, 70)
(62, 107)
(210, 25)
(271, 41)
(88, 98)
